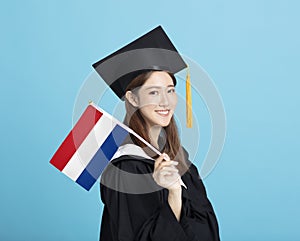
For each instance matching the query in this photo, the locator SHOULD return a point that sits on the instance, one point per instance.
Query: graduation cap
(152, 51)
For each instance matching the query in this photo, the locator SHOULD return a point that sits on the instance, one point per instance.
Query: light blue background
(249, 48)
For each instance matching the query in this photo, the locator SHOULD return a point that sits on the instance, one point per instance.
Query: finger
(170, 169)
(168, 163)
(160, 159)
(166, 173)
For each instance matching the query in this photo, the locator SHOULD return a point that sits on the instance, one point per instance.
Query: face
(157, 99)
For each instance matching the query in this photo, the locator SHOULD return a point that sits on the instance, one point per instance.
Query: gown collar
(134, 150)
(131, 150)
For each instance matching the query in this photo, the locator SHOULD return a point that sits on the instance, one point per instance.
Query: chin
(163, 123)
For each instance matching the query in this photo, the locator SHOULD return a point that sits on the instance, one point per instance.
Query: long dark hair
(169, 140)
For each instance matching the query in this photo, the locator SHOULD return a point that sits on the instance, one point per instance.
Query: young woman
(148, 197)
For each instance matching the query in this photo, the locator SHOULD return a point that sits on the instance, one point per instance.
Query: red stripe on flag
(76, 136)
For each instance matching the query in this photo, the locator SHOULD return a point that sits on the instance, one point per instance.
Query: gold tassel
(189, 120)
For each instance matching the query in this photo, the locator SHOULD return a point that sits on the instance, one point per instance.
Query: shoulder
(192, 168)
(133, 164)
(128, 173)
(131, 158)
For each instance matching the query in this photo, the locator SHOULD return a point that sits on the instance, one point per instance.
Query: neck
(154, 132)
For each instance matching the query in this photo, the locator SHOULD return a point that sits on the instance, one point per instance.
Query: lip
(163, 113)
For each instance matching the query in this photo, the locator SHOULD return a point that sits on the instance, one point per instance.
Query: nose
(163, 100)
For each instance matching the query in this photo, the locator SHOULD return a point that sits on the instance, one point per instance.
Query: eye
(171, 90)
(154, 92)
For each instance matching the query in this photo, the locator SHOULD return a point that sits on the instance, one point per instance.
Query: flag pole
(145, 142)
(132, 132)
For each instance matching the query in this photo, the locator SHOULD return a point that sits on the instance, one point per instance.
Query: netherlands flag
(89, 146)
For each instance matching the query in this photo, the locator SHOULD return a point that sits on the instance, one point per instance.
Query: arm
(175, 202)
(166, 175)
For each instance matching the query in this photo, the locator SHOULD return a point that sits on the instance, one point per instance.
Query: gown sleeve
(197, 215)
(148, 216)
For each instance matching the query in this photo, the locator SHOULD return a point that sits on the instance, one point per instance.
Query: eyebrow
(158, 87)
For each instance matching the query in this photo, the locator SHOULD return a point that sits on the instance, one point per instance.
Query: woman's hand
(166, 174)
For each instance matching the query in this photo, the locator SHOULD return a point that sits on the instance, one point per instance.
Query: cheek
(147, 109)
(173, 100)
(147, 112)
(147, 102)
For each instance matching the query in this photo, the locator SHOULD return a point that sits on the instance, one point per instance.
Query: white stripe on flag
(89, 147)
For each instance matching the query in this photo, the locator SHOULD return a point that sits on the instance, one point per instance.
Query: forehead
(159, 78)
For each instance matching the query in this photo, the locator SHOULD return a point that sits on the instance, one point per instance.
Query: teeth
(163, 112)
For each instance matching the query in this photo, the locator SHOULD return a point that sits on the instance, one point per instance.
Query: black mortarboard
(152, 51)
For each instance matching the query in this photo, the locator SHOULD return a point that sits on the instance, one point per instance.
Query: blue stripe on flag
(103, 156)
(86, 180)
(113, 141)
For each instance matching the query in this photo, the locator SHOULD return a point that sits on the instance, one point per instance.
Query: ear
(132, 98)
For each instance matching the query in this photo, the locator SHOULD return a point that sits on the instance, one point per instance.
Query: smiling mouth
(163, 112)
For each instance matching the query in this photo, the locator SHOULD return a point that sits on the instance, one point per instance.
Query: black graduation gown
(148, 216)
